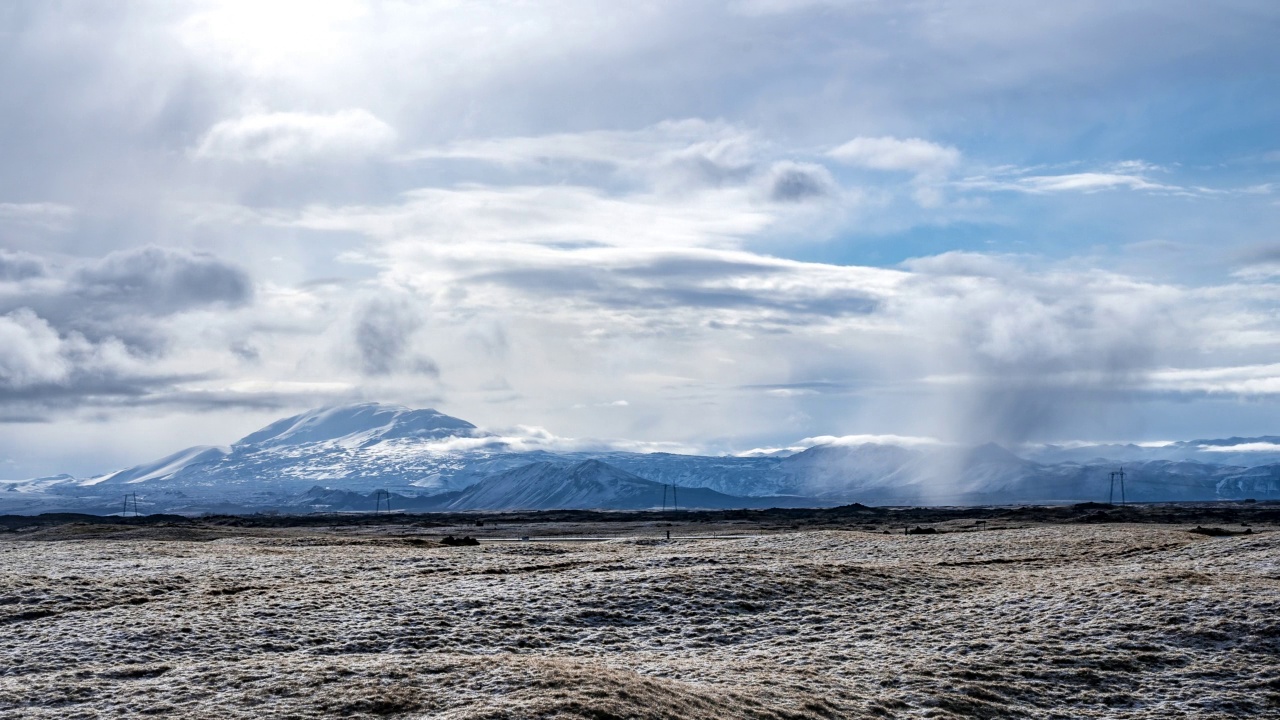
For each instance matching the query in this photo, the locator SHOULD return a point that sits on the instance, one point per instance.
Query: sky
(710, 226)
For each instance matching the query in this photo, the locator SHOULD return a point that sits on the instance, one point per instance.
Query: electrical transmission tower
(378, 498)
(1117, 475)
(130, 498)
(675, 501)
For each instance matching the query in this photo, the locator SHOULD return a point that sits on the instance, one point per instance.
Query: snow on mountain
(589, 484)
(738, 476)
(164, 468)
(364, 447)
(1242, 451)
(426, 458)
(355, 426)
(844, 470)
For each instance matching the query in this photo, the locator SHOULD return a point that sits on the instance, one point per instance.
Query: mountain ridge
(422, 454)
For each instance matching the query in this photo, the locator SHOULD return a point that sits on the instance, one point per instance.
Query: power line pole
(1117, 475)
(378, 497)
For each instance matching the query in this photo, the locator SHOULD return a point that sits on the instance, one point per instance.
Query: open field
(1031, 616)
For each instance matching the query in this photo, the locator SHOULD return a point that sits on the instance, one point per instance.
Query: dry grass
(1113, 621)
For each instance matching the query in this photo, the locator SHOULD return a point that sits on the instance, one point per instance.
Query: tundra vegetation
(1042, 614)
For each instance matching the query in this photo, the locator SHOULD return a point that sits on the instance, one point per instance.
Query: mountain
(590, 484)
(1238, 451)
(335, 458)
(361, 447)
(355, 426)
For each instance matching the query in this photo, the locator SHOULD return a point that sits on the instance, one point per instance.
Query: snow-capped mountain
(362, 425)
(1239, 451)
(589, 484)
(360, 447)
(430, 460)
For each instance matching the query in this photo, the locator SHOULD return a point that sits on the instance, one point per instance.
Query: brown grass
(1059, 621)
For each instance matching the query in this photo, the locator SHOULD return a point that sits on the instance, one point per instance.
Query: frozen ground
(1054, 621)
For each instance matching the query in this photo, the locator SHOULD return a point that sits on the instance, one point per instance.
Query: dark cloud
(88, 386)
(696, 287)
(246, 352)
(1263, 254)
(122, 295)
(88, 335)
(161, 281)
(383, 332)
(43, 404)
(699, 267)
(797, 182)
(1033, 354)
(20, 266)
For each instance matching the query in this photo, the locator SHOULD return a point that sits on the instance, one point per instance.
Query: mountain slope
(590, 484)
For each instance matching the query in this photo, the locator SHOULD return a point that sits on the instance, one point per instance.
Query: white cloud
(1085, 182)
(35, 357)
(525, 438)
(31, 353)
(843, 441)
(1244, 380)
(654, 144)
(282, 137)
(1088, 182)
(1267, 447)
(890, 153)
(545, 214)
(855, 440)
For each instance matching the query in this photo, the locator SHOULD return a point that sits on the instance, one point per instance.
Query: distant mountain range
(334, 459)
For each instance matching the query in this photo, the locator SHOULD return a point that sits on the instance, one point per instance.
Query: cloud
(42, 368)
(17, 266)
(1267, 447)
(161, 281)
(1085, 182)
(383, 337)
(45, 215)
(1260, 254)
(797, 182)
(552, 214)
(284, 137)
(525, 438)
(124, 295)
(1088, 182)
(1017, 353)
(98, 332)
(671, 155)
(672, 287)
(608, 147)
(890, 153)
(1246, 380)
(31, 353)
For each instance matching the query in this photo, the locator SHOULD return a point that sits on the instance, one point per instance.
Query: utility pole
(378, 497)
